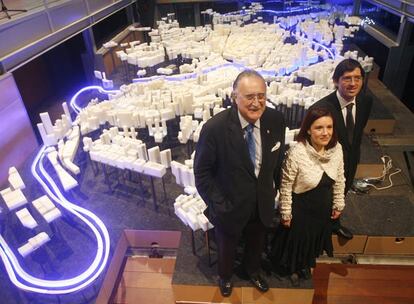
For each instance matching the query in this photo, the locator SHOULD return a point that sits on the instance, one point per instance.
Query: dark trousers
(254, 234)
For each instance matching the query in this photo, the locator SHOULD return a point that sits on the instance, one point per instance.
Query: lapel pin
(267, 131)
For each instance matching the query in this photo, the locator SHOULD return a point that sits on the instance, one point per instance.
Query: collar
(244, 123)
(323, 158)
(342, 102)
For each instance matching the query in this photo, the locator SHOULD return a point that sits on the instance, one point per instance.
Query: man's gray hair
(246, 73)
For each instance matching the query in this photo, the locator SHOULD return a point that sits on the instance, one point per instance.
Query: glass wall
(388, 23)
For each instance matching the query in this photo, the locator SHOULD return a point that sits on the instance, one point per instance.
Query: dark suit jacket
(352, 150)
(224, 174)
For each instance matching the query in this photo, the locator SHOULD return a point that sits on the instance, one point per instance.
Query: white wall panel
(28, 34)
(21, 32)
(95, 5)
(17, 139)
(67, 13)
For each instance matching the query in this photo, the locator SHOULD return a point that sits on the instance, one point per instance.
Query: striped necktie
(251, 144)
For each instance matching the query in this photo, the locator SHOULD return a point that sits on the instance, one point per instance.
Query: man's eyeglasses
(348, 79)
(252, 97)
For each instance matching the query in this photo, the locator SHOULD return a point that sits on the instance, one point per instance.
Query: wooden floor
(145, 281)
(363, 284)
(149, 281)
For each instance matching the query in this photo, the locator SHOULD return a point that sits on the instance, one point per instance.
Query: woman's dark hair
(347, 65)
(313, 114)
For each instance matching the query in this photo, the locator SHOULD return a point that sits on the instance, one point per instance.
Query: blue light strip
(76, 107)
(59, 286)
(325, 48)
(292, 10)
(182, 77)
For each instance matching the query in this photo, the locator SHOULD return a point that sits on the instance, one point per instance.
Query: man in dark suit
(236, 167)
(351, 111)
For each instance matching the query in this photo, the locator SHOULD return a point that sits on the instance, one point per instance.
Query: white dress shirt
(343, 103)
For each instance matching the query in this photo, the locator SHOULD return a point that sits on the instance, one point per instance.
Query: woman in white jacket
(311, 194)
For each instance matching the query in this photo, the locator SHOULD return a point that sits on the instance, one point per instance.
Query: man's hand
(285, 223)
(335, 214)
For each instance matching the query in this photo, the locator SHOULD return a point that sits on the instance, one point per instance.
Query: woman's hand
(335, 214)
(285, 223)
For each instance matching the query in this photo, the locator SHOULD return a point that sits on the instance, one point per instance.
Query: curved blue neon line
(12, 260)
(75, 106)
(36, 281)
(326, 49)
(181, 77)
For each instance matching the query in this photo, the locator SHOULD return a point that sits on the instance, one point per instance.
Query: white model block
(186, 205)
(52, 215)
(13, 198)
(15, 179)
(167, 114)
(198, 113)
(26, 218)
(48, 139)
(181, 215)
(164, 71)
(154, 155)
(192, 221)
(47, 123)
(158, 137)
(33, 244)
(189, 163)
(67, 113)
(189, 209)
(87, 143)
(68, 182)
(43, 204)
(154, 169)
(125, 118)
(190, 190)
(217, 110)
(52, 156)
(176, 171)
(163, 127)
(25, 250)
(188, 177)
(70, 148)
(141, 72)
(73, 133)
(46, 208)
(182, 198)
(107, 84)
(185, 176)
(206, 114)
(97, 74)
(71, 166)
(166, 158)
(203, 222)
(196, 134)
(138, 165)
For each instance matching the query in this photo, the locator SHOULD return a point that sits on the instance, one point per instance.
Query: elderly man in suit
(351, 111)
(236, 167)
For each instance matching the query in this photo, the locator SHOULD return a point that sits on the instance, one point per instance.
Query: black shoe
(259, 282)
(344, 233)
(226, 287)
(294, 279)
